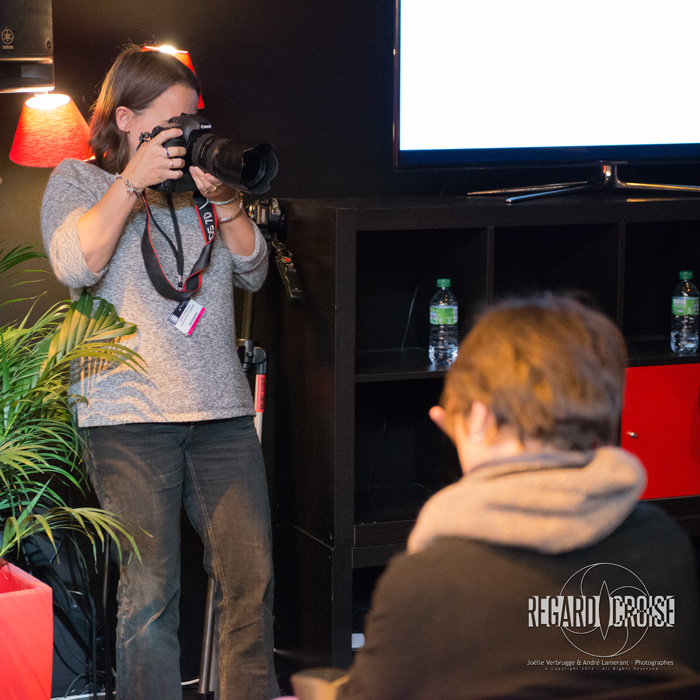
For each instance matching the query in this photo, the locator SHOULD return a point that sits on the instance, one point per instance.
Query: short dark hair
(549, 366)
(135, 79)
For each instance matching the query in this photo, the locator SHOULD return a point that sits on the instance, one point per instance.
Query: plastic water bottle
(442, 348)
(684, 324)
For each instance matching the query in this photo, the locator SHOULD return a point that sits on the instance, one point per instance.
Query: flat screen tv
(546, 83)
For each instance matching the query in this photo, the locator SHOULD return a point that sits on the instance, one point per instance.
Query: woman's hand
(101, 226)
(233, 223)
(212, 188)
(154, 163)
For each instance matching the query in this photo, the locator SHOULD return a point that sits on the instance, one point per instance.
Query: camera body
(193, 128)
(247, 169)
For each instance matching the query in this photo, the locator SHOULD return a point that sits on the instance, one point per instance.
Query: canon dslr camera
(246, 169)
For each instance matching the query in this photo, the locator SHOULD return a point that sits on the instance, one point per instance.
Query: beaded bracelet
(238, 195)
(238, 211)
(233, 216)
(130, 187)
(226, 201)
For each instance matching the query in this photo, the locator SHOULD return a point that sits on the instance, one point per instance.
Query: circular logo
(618, 614)
(7, 36)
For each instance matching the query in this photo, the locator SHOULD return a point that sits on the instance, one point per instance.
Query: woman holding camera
(181, 433)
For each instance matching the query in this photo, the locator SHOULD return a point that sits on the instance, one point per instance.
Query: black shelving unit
(353, 452)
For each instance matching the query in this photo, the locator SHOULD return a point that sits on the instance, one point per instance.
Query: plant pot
(26, 635)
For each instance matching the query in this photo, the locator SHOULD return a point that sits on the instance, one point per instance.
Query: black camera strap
(193, 282)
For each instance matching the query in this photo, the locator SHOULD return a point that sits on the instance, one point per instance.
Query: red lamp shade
(50, 129)
(182, 56)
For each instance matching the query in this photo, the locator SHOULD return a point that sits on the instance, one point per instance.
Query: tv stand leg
(605, 179)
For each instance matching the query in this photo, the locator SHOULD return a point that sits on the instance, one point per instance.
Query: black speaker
(26, 45)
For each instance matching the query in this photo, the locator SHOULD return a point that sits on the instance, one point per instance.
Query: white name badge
(186, 316)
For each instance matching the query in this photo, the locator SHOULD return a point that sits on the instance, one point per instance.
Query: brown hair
(550, 367)
(135, 79)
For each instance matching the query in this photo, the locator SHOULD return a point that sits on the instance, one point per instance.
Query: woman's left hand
(212, 188)
(233, 223)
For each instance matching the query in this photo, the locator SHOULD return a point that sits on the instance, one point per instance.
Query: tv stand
(355, 453)
(605, 179)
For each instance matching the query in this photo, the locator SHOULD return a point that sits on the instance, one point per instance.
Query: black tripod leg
(207, 664)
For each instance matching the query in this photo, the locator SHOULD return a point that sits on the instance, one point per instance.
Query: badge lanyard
(188, 313)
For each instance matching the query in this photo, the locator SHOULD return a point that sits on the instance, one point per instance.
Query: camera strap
(192, 283)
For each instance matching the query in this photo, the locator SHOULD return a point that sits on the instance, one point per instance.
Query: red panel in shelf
(661, 425)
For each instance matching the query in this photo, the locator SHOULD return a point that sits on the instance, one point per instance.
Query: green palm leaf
(93, 522)
(15, 256)
(39, 444)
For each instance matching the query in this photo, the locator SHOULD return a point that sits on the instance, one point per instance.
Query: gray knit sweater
(191, 378)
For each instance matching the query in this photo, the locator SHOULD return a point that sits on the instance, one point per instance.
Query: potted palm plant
(39, 460)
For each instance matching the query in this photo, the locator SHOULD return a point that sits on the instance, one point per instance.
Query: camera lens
(250, 169)
(253, 170)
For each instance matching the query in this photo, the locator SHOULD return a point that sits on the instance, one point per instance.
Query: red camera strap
(193, 282)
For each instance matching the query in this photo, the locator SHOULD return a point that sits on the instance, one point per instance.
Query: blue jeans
(145, 473)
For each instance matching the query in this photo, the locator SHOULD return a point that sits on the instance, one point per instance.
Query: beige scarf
(550, 503)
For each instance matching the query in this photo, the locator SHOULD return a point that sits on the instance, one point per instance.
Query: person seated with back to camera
(546, 507)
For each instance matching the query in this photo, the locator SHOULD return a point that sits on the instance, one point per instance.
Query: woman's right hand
(100, 228)
(153, 163)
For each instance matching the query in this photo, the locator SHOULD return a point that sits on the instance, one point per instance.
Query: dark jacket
(467, 619)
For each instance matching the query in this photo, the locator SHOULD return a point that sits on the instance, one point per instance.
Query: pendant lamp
(182, 56)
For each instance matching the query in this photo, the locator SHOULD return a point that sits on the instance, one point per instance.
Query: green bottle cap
(445, 281)
(686, 275)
